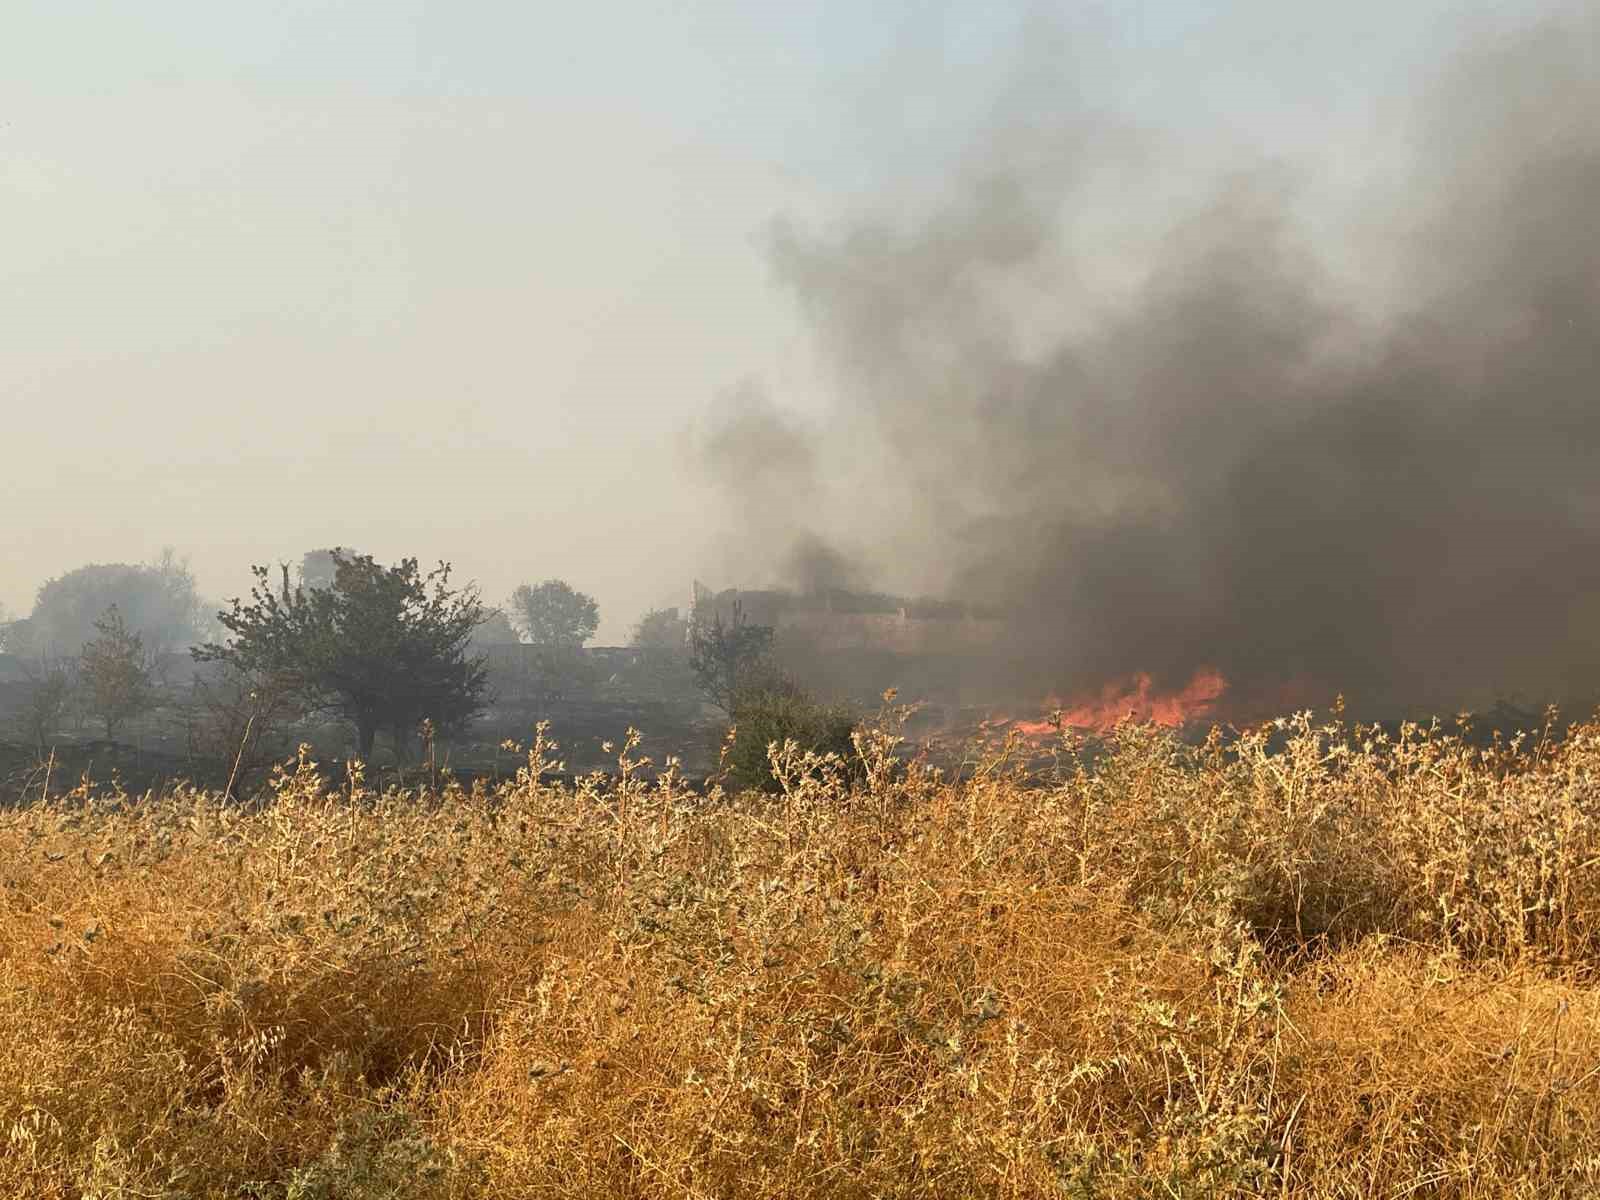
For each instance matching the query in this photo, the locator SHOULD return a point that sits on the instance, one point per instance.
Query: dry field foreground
(1344, 967)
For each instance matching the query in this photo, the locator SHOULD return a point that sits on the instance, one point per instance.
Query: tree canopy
(554, 614)
(158, 601)
(116, 672)
(661, 629)
(729, 656)
(381, 647)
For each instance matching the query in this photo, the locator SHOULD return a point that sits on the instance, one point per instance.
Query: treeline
(390, 653)
(336, 638)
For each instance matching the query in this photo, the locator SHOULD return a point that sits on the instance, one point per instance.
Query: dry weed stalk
(1312, 962)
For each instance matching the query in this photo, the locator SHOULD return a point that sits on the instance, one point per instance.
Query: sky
(463, 280)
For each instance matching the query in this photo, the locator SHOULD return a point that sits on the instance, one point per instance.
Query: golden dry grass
(1312, 963)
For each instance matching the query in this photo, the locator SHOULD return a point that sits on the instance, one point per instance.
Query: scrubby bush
(549, 675)
(773, 711)
(238, 724)
(47, 701)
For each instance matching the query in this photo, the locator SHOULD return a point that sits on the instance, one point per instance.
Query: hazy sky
(454, 279)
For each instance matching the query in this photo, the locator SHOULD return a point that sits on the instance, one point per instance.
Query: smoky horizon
(1320, 456)
(1241, 342)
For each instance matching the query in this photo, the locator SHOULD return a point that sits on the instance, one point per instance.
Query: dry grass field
(1309, 962)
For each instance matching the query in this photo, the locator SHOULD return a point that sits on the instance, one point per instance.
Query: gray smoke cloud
(770, 468)
(1243, 459)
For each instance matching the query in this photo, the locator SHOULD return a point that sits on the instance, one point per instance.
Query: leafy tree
(726, 656)
(116, 673)
(661, 629)
(158, 601)
(553, 614)
(381, 647)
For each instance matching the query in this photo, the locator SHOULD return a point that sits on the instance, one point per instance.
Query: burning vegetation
(1302, 457)
(1136, 700)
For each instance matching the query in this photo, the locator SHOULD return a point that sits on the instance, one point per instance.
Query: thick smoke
(1242, 460)
(769, 467)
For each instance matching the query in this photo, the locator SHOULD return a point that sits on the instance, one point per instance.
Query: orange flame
(1135, 699)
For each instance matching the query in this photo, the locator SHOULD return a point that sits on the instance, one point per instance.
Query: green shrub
(779, 710)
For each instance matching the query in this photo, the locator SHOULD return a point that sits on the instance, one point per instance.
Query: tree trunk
(366, 734)
(402, 743)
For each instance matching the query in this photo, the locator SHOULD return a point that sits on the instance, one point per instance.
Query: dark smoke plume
(770, 469)
(1245, 462)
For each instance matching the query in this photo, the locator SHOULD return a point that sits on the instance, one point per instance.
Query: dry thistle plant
(1315, 961)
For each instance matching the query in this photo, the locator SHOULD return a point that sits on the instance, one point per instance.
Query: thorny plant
(1313, 961)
